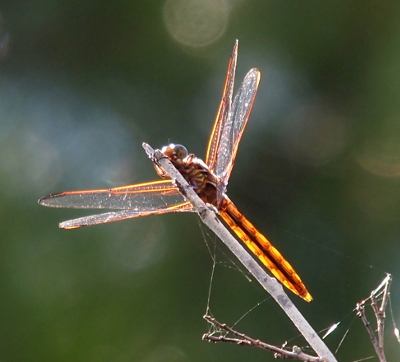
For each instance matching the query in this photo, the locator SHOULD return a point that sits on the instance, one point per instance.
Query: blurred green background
(84, 83)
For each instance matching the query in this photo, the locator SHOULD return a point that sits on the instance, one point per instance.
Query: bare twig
(221, 331)
(268, 283)
(361, 313)
(377, 340)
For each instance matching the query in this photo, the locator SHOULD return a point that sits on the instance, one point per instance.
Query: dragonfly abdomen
(270, 257)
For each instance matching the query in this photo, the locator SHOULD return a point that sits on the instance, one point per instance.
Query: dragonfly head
(176, 153)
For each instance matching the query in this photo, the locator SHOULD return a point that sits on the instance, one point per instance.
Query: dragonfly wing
(123, 215)
(232, 131)
(223, 110)
(139, 198)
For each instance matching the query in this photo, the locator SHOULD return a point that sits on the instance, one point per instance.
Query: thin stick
(380, 315)
(268, 283)
(244, 340)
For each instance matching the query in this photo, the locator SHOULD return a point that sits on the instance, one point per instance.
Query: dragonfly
(208, 178)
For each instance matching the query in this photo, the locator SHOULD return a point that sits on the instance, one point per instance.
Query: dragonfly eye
(180, 151)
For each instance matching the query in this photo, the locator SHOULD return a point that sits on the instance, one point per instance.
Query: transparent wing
(234, 126)
(157, 197)
(149, 195)
(223, 110)
(123, 215)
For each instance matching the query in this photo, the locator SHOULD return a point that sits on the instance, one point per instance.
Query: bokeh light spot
(378, 198)
(315, 134)
(196, 23)
(134, 250)
(380, 155)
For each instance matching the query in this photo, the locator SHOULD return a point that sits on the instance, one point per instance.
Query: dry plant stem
(242, 339)
(377, 341)
(361, 313)
(380, 312)
(268, 283)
